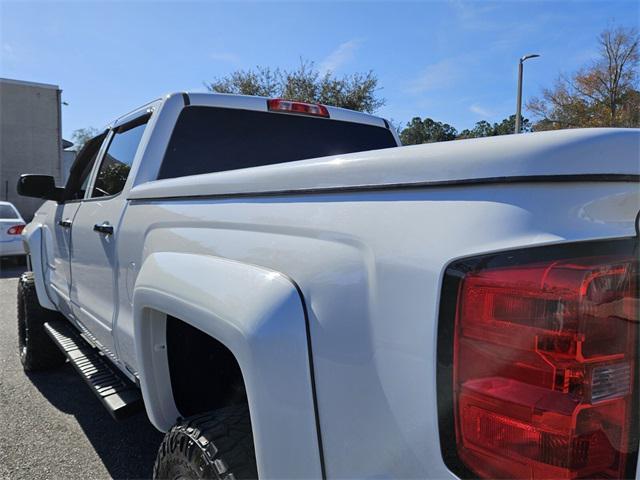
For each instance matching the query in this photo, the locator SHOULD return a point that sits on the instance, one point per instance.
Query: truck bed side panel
(369, 265)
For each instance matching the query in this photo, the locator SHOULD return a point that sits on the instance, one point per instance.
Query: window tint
(117, 160)
(81, 168)
(6, 211)
(85, 177)
(207, 139)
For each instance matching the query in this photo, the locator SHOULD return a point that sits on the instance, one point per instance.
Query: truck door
(95, 234)
(57, 229)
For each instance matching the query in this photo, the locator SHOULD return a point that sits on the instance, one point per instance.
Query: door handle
(104, 228)
(65, 223)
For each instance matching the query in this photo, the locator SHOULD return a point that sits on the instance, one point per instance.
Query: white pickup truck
(286, 308)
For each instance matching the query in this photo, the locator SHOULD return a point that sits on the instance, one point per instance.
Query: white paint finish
(370, 267)
(224, 100)
(57, 248)
(369, 264)
(32, 236)
(258, 315)
(155, 139)
(95, 266)
(146, 109)
(563, 152)
(94, 291)
(614, 209)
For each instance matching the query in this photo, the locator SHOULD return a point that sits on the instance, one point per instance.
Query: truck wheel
(216, 444)
(37, 350)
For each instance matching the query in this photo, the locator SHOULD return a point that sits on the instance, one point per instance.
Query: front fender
(32, 236)
(258, 314)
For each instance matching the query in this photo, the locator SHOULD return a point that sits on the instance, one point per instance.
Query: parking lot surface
(52, 425)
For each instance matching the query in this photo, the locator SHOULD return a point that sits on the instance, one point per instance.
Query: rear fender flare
(259, 316)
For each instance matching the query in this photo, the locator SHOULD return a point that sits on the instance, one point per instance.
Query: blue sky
(453, 61)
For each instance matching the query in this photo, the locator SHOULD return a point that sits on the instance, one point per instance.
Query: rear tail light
(15, 230)
(543, 358)
(281, 105)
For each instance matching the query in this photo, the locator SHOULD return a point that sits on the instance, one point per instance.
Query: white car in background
(11, 226)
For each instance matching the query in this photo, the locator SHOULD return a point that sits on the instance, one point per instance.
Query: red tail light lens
(544, 367)
(15, 230)
(281, 105)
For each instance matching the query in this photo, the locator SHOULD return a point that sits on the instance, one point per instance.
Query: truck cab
(212, 133)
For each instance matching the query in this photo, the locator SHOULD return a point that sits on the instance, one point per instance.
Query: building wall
(30, 137)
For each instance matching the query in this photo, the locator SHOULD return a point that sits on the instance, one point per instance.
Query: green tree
(428, 130)
(306, 83)
(486, 129)
(262, 81)
(81, 136)
(482, 129)
(604, 93)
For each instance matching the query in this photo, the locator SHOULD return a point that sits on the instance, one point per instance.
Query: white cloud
(340, 56)
(225, 57)
(478, 110)
(7, 51)
(475, 15)
(436, 75)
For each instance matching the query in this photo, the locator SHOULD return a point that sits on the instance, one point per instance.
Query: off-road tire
(217, 445)
(37, 350)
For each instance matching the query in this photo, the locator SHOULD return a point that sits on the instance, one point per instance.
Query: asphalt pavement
(52, 426)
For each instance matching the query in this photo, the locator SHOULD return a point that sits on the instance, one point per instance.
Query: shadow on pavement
(127, 448)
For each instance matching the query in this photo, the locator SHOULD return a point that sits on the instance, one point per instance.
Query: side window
(81, 168)
(118, 158)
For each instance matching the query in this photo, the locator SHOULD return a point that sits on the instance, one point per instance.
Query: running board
(117, 393)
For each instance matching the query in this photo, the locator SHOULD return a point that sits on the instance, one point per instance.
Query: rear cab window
(212, 139)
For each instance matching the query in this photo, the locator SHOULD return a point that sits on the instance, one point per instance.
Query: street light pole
(519, 101)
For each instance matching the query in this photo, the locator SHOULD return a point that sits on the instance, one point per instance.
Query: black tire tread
(40, 352)
(216, 444)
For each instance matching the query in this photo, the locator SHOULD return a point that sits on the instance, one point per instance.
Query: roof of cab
(248, 102)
